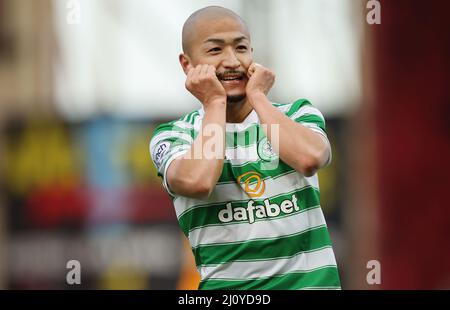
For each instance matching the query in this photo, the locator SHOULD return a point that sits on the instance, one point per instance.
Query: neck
(238, 111)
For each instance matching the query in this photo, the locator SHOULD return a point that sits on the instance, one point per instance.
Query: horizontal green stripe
(173, 128)
(311, 118)
(322, 277)
(163, 127)
(263, 249)
(208, 214)
(297, 105)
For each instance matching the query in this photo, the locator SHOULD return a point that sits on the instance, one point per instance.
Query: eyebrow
(222, 41)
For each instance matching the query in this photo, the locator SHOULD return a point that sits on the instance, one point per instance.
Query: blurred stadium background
(79, 99)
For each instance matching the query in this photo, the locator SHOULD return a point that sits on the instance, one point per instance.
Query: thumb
(252, 68)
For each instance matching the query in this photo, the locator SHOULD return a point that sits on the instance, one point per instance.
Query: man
(252, 215)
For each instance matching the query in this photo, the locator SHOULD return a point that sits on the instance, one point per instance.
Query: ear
(185, 63)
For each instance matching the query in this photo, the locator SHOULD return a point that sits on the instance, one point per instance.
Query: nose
(230, 61)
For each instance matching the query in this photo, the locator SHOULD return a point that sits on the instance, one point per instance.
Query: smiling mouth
(231, 77)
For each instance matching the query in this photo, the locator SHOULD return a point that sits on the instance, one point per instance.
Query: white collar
(251, 118)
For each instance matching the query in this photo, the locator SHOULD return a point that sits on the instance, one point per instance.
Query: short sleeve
(304, 113)
(169, 141)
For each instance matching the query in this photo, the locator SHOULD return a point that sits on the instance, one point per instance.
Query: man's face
(224, 44)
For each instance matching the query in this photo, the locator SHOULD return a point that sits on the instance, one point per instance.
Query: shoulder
(172, 138)
(186, 124)
(302, 111)
(291, 108)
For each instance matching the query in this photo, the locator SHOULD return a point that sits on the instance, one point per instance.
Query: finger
(198, 71)
(256, 67)
(251, 69)
(195, 74)
(204, 70)
(211, 71)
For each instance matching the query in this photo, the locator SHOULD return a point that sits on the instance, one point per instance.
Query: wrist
(218, 104)
(256, 96)
(216, 100)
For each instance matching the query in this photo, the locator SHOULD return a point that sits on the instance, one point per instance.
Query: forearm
(301, 148)
(197, 172)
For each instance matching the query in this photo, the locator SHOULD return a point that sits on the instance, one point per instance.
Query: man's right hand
(192, 175)
(203, 83)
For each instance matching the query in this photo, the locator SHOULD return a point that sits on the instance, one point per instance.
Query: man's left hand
(260, 80)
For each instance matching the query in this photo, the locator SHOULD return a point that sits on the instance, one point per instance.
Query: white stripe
(249, 121)
(241, 154)
(169, 134)
(226, 192)
(197, 123)
(307, 110)
(177, 149)
(284, 108)
(303, 262)
(244, 231)
(184, 125)
(238, 127)
(198, 120)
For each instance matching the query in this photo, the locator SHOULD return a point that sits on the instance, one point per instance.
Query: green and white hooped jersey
(262, 227)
